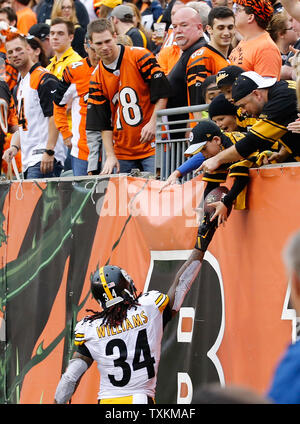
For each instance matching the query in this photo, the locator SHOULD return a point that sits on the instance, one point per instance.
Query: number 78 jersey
(127, 355)
(123, 100)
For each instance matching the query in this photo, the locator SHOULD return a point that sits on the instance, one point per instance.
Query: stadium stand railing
(170, 151)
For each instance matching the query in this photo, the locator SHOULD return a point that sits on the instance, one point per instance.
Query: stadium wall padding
(234, 324)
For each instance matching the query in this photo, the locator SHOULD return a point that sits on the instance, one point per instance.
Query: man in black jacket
(188, 34)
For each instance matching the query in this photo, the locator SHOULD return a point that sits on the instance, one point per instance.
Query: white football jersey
(34, 96)
(127, 355)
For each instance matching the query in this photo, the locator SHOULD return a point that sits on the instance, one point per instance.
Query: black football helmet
(111, 285)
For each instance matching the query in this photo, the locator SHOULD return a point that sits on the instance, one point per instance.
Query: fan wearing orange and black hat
(256, 51)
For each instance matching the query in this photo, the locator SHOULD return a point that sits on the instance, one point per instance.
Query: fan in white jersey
(125, 337)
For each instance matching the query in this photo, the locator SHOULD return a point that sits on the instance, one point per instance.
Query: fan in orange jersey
(208, 60)
(126, 90)
(73, 89)
(199, 59)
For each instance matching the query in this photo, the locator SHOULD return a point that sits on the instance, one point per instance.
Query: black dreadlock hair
(116, 314)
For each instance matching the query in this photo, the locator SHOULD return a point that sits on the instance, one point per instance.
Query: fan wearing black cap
(208, 140)
(275, 104)
(225, 79)
(223, 113)
(42, 31)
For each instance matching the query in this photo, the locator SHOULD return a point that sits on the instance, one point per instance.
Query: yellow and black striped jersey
(271, 127)
(244, 122)
(240, 168)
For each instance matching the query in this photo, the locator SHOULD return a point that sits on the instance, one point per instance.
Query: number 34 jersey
(122, 100)
(127, 355)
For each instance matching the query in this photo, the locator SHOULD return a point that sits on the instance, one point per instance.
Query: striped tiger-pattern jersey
(122, 100)
(271, 127)
(8, 116)
(136, 342)
(73, 90)
(9, 74)
(202, 63)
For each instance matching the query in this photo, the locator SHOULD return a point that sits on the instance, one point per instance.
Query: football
(215, 196)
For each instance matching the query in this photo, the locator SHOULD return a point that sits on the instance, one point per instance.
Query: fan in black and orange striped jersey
(8, 117)
(199, 61)
(73, 90)
(8, 73)
(123, 100)
(202, 63)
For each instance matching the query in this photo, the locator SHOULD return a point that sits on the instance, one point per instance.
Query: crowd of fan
(191, 43)
(73, 83)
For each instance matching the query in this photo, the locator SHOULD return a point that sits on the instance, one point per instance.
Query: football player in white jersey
(125, 337)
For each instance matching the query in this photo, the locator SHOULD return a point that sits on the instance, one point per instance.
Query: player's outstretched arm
(292, 7)
(111, 161)
(70, 379)
(184, 279)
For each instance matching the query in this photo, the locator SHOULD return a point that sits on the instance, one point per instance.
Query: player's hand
(209, 165)
(294, 126)
(148, 132)
(47, 163)
(67, 142)
(109, 165)
(9, 154)
(172, 179)
(220, 212)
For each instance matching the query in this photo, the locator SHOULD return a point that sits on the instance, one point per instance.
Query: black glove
(206, 232)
